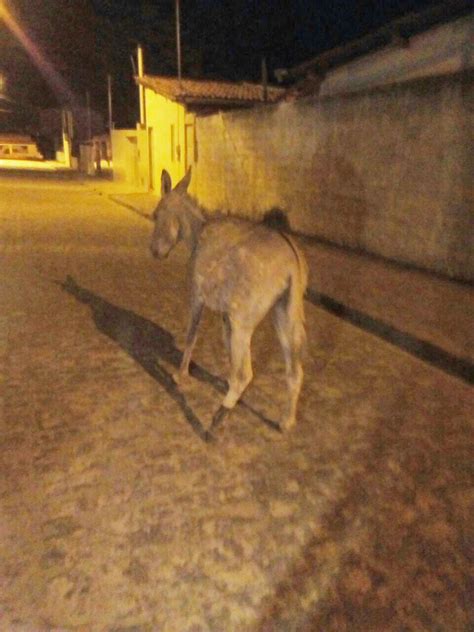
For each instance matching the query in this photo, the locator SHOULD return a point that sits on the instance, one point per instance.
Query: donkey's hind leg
(196, 312)
(241, 370)
(241, 364)
(291, 336)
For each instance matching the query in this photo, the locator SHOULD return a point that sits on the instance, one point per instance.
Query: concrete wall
(388, 171)
(126, 145)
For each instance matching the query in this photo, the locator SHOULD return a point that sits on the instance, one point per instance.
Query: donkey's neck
(191, 222)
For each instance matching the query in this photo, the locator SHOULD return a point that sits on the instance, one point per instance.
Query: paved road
(116, 515)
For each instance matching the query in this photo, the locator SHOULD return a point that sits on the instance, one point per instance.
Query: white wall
(444, 49)
(125, 156)
(161, 115)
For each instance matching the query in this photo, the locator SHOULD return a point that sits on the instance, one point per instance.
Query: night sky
(84, 40)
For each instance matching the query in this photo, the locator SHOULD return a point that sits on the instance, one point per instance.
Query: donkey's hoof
(287, 424)
(209, 437)
(218, 417)
(181, 377)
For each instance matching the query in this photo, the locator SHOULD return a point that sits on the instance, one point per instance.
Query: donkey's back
(240, 268)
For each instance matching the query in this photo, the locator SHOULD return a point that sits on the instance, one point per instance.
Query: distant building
(84, 125)
(95, 155)
(18, 147)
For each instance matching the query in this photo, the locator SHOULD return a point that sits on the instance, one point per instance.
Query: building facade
(166, 136)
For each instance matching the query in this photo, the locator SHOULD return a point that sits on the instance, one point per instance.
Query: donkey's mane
(275, 218)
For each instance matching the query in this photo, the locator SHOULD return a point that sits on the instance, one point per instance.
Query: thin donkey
(242, 270)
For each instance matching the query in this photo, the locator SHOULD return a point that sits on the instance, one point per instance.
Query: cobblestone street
(116, 515)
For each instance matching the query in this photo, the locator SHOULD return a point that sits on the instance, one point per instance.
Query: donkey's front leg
(196, 311)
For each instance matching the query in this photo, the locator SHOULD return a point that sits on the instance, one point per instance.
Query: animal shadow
(148, 344)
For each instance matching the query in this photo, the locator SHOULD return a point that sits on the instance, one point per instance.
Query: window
(20, 149)
(5, 150)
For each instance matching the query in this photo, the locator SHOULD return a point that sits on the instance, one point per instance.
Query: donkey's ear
(165, 182)
(183, 184)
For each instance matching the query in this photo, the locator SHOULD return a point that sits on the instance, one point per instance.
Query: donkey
(242, 270)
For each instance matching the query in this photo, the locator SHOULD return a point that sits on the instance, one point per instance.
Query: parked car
(19, 147)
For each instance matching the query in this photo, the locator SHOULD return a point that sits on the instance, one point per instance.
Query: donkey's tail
(297, 289)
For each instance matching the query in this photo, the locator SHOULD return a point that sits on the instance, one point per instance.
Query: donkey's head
(168, 215)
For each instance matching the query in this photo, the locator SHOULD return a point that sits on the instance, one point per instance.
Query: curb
(130, 207)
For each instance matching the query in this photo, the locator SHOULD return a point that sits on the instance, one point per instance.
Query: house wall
(444, 49)
(21, 149)
(388, 170)
(161, 115)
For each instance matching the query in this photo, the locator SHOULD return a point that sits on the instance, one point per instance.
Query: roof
(398, 31)
(201, 91)
(20, 139)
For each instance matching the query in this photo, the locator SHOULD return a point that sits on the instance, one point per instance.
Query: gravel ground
(117, 516)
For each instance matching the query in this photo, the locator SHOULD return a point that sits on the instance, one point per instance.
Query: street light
(37, 56)
(3, 8)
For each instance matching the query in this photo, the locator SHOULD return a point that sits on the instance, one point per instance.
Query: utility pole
(141, 87)
(264, 79)
(178, 39)
(109, 93)
(67, 127)
(89, 115)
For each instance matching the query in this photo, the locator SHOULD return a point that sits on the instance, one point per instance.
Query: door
(189, 146)
(151, 160)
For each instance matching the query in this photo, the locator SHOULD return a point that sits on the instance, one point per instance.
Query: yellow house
(166, 137)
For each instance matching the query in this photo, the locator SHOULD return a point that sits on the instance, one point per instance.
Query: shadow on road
(461, 368)
(147, 343)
